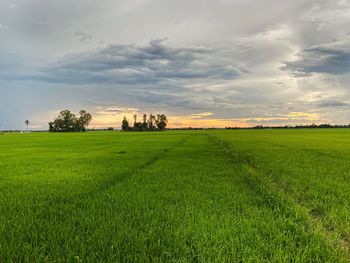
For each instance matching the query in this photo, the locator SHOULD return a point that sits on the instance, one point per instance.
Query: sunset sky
(210, 63)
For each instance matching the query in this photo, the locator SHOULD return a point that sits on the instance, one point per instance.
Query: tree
(84, 120)
(27, 123)
(69, 122)
(144, 123)
(161, 121)
(151, 121)
(51, 126)
(135, 119)
(137, 125)
(125, 124)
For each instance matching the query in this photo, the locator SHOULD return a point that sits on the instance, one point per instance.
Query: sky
(203, 63)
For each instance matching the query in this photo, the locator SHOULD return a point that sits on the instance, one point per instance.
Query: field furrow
(280, 200)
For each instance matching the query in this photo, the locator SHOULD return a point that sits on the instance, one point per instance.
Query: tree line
(66, 121)
(149, 123)
(301, 126)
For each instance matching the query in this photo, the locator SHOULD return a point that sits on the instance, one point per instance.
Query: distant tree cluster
(301, 126)
(152, 123)
(69, 122)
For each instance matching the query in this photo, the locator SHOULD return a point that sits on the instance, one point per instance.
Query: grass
(186, 196)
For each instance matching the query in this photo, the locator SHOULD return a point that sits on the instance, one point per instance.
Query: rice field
(176, 196)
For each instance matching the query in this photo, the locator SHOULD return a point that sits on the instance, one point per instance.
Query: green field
(189, 196)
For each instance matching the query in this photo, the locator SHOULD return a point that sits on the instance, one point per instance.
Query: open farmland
(241, 195)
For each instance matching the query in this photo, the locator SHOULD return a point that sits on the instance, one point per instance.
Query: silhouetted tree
(125, 124)
(138, 126)
(151, 122)
(144, 123)
(161, 121)
(135, 119)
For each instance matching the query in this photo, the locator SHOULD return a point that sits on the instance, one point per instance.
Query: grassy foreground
(197, 196)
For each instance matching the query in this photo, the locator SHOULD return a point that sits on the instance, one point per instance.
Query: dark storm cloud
(131, 64)
(333, 58)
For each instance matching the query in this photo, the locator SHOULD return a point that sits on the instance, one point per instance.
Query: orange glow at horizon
(204, 120)
(194, 121)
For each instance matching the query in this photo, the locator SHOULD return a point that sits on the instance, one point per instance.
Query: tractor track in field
(119, 178)
(277, 199)
(113, 181)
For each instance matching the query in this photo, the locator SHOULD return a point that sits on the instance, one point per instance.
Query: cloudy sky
(201, 62)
